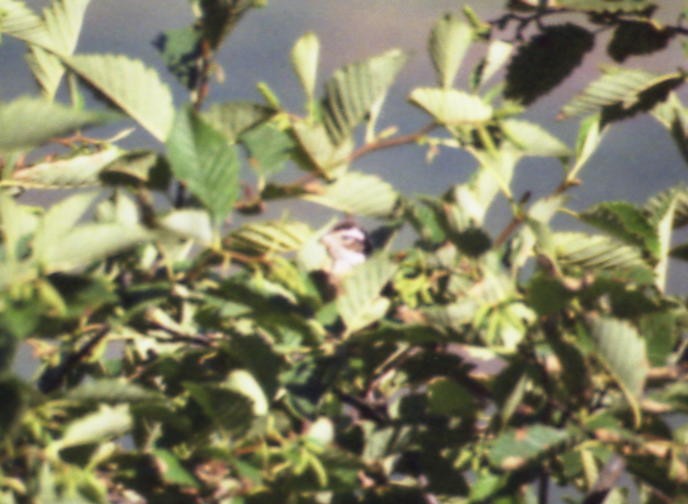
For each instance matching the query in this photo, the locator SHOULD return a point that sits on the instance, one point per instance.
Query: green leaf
(533, 139)
(105, 423)
(610, 6)
(138, 167)
(545, 61)
(447, 397)
(269, 237)
(21, 22)
(112, 391)
(498, 53)
(245, 383)
(62, 21)
(172, 471)
(517, 448)
(673, 116)
(449, 41)
(191, 223)
(596, 252)
(181, 50)
(322, 156)
(657, 205)
(29, 122)
(234, 118)
(224, 407)
(622, 92)
(353, 90)
(624, 221)
(357, 194)
(622, 350)
(78, 171)
(201, 158)
(589, 136)
(304, 60)
(268, 147)
(131, 86)
(88, 243)
(451, 107)
(360, 303)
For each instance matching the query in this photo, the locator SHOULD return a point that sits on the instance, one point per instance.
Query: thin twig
(387, 143)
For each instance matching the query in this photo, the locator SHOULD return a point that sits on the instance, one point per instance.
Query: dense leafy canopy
(182, 359)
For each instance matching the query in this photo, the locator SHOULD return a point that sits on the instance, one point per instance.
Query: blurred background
(637, 159)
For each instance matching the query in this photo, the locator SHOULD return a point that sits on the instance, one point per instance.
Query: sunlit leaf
(323, 156)
(353, 90)
(201, 157)
(21, 22)
(105, 423)
(360, 303)
(62, 20)
(30, 122)
(516, 448)
(625, 221)
(79, 171)
(621, 92)
(498, 53)
(132, 87)
(172, 471)
(534, 140)
(233, 118)
(357, 194)
(190, 223)
(269, 237)
(674, 117)
(622, 350)
(449, 41)
(450, 106)
(304, 60)
(112, 391)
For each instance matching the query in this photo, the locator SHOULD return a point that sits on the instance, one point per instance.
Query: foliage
(186, 360)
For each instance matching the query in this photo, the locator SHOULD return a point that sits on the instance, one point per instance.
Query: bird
(347, 245)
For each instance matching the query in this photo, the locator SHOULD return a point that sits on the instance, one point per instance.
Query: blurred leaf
(623, 353)
(172, 470)
(201, 157)
(326, 158)
(449, 41)
(610, 6)
(191, 223)
(14, 396)
(130, 86)
(304, 60)
(597, 252)
(219, 17)
(29, 122)
(545, 61)
(447, 397)
(235, 117)
(352, 91)
(451, 107)
(268, 148)
(87, 243)
(269, 237)
(112, 391)
(105, 423)
(534, 140)
(62, 21)
(245, 383)
(357, 194)
(516, 448)
(673, 116)
(81, 170)
(21, 22)
(498, 53)
(138, 167)
(622, 92)
(624, 221)
(181, 51)
(637, 37)
(224, 407)
(360, 303)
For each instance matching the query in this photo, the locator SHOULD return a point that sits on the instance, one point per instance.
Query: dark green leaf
(545, 61)
(268, 148)
(626, 222)
(637, 37)
(235, 117)
(519, 447)
(181, 52)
